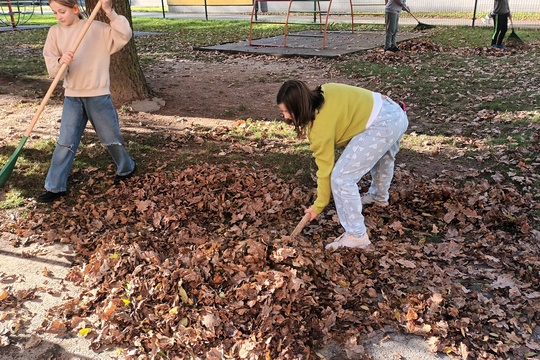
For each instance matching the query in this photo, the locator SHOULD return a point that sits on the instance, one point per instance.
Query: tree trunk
(127, 79)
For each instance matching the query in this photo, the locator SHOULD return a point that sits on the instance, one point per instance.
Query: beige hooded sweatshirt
(88, 74)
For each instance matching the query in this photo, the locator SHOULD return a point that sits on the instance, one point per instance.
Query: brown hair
(69, 4)
(301, 103)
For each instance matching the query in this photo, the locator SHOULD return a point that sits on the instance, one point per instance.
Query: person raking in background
(391, 20)
(86, 89)
(501, 14)
(369, 125)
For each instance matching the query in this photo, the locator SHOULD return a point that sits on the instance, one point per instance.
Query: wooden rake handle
(298, 229)
(62, 70)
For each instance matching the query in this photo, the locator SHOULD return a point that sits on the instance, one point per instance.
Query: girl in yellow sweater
(87, 95)
(369, 125)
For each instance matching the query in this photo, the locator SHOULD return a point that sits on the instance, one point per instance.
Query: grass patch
(518, 16)
(32, 164)
(466, 36)
(260, 130)
(22, 53)
(149, 8)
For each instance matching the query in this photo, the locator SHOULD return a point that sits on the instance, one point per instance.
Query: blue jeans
(373, 150)
(75, 115)
(391, 20)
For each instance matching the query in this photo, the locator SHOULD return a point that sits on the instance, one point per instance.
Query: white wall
(150, 3)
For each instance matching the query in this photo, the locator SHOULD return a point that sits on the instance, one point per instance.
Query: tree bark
(127, 79)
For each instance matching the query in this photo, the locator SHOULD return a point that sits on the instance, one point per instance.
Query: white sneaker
(369, 199)
(350, 241)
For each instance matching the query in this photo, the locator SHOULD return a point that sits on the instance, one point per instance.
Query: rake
(513, 36)
(298, 229)
(420, 25)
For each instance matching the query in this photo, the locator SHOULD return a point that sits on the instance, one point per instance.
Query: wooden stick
(298, 229)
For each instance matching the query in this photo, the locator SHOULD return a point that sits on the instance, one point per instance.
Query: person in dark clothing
(501, 14)
(391, 19)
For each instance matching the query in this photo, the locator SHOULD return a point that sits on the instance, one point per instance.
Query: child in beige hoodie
(87, 94)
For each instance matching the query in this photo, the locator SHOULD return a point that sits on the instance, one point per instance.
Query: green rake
(513, 36)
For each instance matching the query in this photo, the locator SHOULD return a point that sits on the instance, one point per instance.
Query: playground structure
(16, 12)
(321, 17)
(313, 14)
(317, 22)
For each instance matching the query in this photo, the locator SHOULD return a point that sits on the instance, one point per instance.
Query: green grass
(518, 16)
(465, 36)
(22, 53)
(517, 133)
(251, 130)
(14, 199)
(32, 163)
(150, 8)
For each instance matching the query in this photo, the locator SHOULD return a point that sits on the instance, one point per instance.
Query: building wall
(148, 3)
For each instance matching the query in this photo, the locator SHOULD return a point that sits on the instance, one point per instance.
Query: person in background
(86, 89)
(501, 14)
(368, 125)
(391, 20)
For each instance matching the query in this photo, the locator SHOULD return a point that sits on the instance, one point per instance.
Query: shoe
(394, 49)
(119, 178)
(502, 47)
(49, 196)
(368, 199)
(349, 240)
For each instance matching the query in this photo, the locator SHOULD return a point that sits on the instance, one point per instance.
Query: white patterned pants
(373, 150)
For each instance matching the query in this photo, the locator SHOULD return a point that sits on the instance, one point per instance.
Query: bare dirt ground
(240, 87)
(192, 92)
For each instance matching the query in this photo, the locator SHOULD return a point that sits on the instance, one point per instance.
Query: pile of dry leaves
(200, 263)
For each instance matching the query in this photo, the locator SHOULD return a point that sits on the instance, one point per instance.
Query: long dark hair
(301, 102)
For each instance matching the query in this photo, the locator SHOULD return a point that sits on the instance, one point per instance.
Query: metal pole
(474, 12)
(205, 10)
(10, 9)
(163, 9)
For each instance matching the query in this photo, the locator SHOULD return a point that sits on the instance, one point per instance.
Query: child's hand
(66, 58)
(106, 6)
(313, 214)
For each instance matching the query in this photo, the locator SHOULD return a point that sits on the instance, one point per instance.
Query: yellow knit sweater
(88, 74)
(346, 112)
